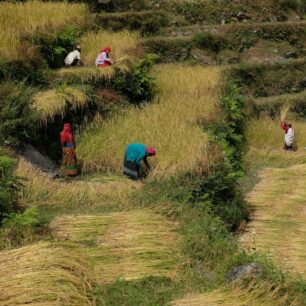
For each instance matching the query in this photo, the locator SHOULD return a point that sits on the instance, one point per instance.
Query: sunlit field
(189, 97)
(25, 18)
(124, 44)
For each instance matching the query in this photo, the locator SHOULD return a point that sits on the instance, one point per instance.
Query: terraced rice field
(279, 221)
(126, 245)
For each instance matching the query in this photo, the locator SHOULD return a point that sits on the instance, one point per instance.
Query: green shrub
(137, 85)
(168, 49)
(147, 22)
(32, 72)
(54, 46)
(17, 120)
(9, 186)
(214, 43)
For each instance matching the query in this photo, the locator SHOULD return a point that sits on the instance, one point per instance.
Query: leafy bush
(9, 186)
(31, 72)
(17, 120)
(214, 43)
(54, 46)
(137, 85)
(168, 49)
(147, 23)
(29, 218)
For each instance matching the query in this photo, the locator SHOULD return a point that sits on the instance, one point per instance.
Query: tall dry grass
(128, 245)
(265, 133)
(124, 45)
(25, 18)
(40, 189)
(172, 124)
(53, 102)
(45, 274)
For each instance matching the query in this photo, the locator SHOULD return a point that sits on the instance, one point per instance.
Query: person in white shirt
(289, 135)
(73, 58)
(103, 59)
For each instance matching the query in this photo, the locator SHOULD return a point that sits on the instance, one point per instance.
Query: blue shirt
(135, 152)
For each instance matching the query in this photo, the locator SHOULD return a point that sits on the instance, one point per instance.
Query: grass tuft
(53, 102)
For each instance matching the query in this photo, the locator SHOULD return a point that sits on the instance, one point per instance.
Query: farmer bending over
(289, 135)
(134, 154)
(73, 58)
(103, 59)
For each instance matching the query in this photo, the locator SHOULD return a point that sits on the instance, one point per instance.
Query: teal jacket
(135, 152)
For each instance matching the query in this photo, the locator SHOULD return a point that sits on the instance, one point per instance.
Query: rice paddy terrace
(107, 240)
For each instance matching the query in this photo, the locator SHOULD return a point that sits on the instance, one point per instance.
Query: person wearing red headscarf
(134, 154)
(103, 59)
(68, 146)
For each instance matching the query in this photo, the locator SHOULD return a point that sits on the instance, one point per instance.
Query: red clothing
(284, 126)
(66, 135)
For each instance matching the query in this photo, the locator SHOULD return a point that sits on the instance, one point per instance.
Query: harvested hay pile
(40, 189)
(236, 295)
(53, 102)
(279, 220)
(128, 245)
(173, 124)
(44, 274)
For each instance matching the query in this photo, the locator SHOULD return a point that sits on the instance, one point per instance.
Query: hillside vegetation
(206, 83)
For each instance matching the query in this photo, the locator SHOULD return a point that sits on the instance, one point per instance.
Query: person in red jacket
(68, 146)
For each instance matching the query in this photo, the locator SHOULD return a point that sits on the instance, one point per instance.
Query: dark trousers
(287, 148)
(131, 169)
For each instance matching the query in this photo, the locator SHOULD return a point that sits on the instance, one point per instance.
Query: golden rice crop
(25, 18)
(45, 274)
(128, 245)
(265, 133)
(254, 294)
(123, 44)
(172, 124)
(279, 220)
(40, 189)
(53, 102)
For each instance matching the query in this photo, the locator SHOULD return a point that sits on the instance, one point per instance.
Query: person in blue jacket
(134, 154)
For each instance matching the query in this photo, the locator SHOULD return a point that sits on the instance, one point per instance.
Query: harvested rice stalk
(45, 274)
(128, 245)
